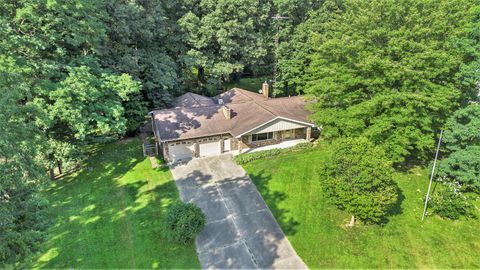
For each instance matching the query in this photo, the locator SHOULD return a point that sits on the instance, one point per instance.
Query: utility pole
(431, 176)
(277, 36)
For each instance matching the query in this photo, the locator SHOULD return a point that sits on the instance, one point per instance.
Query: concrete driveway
(240, 231)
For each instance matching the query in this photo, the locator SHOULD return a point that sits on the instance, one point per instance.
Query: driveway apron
(240, 231)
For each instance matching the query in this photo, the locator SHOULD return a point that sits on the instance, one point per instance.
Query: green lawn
(111, 215)
(290, 185)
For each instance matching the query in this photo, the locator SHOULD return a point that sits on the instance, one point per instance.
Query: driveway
(240, 231)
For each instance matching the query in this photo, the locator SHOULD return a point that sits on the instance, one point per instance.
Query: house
(237, 120)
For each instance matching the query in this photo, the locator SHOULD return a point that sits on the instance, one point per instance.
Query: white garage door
(210, 148)
(180, 151)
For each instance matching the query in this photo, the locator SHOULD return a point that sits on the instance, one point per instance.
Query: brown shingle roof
(190, 99)
(198, 117)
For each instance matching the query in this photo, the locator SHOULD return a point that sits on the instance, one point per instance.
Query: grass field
(290, 185)
(111, 215)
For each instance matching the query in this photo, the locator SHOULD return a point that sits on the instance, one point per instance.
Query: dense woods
(76, 73)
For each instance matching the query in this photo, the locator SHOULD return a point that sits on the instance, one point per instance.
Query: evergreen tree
(462, 129)
(462, 139)
(22, 219)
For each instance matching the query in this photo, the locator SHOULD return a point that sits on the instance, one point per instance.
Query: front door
(226, 145)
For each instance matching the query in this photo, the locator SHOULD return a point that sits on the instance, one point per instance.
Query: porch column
(196, 148)
(165, 152)
(240, 145)
(309, 133)
(222, 145)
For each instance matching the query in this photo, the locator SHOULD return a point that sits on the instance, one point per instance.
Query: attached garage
(210, 147)
(180, 150)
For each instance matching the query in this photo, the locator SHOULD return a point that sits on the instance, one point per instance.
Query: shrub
(249, 157)
(463, 166)
(184, 222)
(358, 179)
(450, 202)
(301, 146)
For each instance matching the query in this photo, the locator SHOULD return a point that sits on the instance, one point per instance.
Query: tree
(390, 71)
(22, 217)
(86, 108)
(225, 36)
(294, 51)
(89, 105)
(144, 40)
(462, 139)
(78, 98)
(358, 178)
(462, 129)
(463, 166)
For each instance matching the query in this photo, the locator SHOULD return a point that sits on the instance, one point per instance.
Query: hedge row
(249, 157)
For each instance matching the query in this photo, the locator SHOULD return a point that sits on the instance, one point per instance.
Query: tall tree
(224, 37)
(22, 219)
(62, 41)
(390, 71)
(293, 52)
(144, 41)
(462, 139)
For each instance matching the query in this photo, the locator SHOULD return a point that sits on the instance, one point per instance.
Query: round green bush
(184, 222)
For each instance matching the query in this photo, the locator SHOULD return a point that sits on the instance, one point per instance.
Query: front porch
(273, 139)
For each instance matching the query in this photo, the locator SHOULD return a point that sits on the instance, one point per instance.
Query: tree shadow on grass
(100, 222)
(397, 208)
(273, 200)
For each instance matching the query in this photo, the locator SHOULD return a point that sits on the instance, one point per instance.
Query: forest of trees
(74, 73)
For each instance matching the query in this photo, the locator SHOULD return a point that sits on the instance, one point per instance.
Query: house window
(262, 136)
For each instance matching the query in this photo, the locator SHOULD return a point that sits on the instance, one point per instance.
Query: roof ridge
(265, 108)
(276, 98)
(193, 97)
(242, 92)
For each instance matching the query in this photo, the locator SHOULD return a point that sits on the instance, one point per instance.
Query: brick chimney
(265, 89)
(227, 112)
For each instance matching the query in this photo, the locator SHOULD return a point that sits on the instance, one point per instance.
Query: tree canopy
(78, 72)
(390, 71)
(21, 167)
(462, 129)
(225, 36)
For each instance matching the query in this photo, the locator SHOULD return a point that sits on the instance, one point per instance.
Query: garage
(180, 151)
(210, 147)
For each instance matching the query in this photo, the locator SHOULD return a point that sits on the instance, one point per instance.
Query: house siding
(277, 125)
